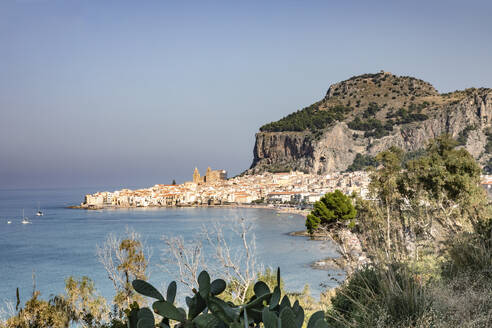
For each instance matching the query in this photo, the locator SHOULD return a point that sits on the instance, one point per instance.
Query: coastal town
(289, 189)
(214, 188)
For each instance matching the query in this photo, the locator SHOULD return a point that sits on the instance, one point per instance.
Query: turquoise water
(63, 242)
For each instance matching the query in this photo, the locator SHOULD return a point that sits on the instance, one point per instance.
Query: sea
(63, 242)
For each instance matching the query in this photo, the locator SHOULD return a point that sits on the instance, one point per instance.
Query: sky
(101, 93)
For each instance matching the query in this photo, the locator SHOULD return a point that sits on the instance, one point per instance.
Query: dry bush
(125, 258)
(464, 301)
(238, 266)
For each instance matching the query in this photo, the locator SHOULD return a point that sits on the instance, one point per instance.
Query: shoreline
(279, 209)
(328, 263)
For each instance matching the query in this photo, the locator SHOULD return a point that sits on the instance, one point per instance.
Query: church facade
(210, 176)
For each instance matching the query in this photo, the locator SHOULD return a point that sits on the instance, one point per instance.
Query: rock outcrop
(406, 112)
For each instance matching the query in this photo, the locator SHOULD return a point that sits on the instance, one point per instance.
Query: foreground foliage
(458, 294)
(207, 310)
(427, 229)
(375, 296)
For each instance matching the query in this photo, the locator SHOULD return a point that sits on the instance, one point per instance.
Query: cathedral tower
(196, 176)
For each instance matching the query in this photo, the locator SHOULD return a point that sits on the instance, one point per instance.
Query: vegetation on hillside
(372, 127)
(409, 115)
(488, 146)
(309, 118)
(373, 103)
(361, 162)
(377, 128)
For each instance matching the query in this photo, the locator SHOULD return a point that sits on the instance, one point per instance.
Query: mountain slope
(370, 113)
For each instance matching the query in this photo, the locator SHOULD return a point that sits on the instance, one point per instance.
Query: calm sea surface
(63, 242)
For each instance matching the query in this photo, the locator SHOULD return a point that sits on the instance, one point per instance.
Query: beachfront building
(280, 197)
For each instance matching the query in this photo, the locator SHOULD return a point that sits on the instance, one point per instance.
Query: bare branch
(184, 261)
(240, 264)
(124, 258)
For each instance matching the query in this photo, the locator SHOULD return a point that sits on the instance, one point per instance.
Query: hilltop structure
(210, 176)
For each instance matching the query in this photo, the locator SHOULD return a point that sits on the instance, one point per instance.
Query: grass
(382, 297)
(465, 300)
(453, 290)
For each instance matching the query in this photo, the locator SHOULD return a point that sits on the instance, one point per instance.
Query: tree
(361, 162)
(89, 308)
(438, 193)
(384, 185)
(448, 180)
(334, 207)
(54, 313)
(125, 259)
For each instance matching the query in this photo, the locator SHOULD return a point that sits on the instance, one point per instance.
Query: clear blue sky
(132, 93)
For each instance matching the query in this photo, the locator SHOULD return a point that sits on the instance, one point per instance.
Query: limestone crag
(465, 115)
(284, 149)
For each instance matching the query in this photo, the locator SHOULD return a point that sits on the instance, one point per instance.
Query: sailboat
(39, 213)
(25, 219)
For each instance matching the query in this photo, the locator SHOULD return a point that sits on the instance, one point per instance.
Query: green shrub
(374, 296)
(463, 300)
(469, 252)
(333, 208)
(310, 118)
(361, 162)
(412, 114)
(365, 125)
(463, 135)
(413, 155)
(55, 313)
(371, 110)
(377, 133)
(371, 126)
(488, 146)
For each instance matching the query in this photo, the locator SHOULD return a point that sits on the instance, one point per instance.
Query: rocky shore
(349, 247)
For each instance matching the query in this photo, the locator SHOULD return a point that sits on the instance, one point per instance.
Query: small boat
(25, 219)
(9, 222)
(39, 213)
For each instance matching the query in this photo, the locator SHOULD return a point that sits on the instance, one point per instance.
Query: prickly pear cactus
(207, 310)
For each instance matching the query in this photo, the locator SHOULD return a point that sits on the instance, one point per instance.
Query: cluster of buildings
(294, 188)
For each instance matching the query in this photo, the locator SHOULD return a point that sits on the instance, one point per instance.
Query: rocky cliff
(370, 113)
